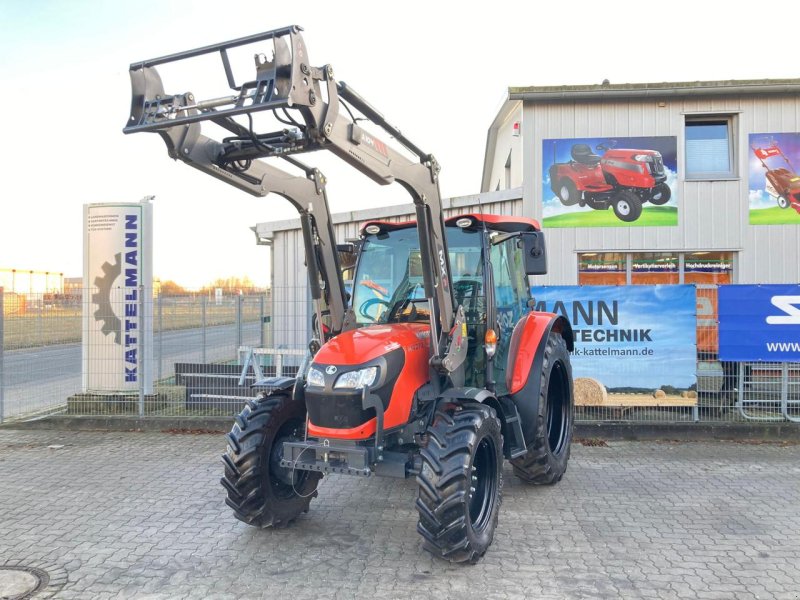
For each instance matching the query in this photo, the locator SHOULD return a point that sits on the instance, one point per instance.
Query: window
(708, 267)
(508, 171)
(602, 268)
(655, 268)
(649, 268)
(710, 147)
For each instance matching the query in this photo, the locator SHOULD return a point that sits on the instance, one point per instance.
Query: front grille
(337, 411)
(657, 166)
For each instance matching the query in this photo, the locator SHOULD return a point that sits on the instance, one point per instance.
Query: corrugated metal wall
(713, 215)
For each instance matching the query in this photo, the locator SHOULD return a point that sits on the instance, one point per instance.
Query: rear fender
(526, 357)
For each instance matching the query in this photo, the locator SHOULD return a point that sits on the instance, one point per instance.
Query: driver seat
(582, 154)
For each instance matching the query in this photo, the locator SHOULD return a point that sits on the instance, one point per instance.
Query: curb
(763, 431)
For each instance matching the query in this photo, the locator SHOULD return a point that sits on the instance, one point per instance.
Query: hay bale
(689, 394)
(590, 392)
(659, 394)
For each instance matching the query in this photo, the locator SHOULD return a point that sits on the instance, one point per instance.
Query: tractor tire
(627, 206)
(260, 491)
(660, 194)
(568, 193)
(548, 453)
(783, 202)
(460, 482)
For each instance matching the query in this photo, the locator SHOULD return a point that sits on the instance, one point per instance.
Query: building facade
(726, 150)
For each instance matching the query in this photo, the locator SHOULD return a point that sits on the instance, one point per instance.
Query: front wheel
(260, 491)
(783, 202)
(548, 453)
(627, 206)
(661, 194)
(460, 482)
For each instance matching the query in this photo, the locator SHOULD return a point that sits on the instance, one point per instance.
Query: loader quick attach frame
(287, 84)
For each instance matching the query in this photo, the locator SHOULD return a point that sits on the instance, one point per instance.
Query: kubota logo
(330, 370)
(791, 314)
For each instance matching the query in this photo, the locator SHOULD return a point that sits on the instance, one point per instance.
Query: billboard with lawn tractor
(774, 180)
(629, 340)
(610, 182)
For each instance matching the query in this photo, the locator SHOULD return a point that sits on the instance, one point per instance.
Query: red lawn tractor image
(621, 178)
(782, 184)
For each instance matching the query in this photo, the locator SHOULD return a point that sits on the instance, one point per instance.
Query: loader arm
(310, 101)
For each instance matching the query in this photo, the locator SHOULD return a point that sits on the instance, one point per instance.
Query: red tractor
(437, 368)
(783, 183)
(621, 178)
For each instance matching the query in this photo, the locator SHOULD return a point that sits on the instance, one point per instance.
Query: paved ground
(141, 515)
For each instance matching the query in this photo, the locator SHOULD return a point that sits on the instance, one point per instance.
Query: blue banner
(759, 323)
(629, 338)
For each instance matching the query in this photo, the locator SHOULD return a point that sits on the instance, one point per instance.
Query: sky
(437, 71)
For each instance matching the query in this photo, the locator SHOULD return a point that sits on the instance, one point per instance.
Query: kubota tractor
(622, 178)
(437, 368)
(782, 184)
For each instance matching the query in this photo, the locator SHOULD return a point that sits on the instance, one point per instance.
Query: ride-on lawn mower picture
(621, 178)
(622, 174)
(782, 182)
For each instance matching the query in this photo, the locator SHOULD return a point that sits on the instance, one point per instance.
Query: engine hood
(358, 346)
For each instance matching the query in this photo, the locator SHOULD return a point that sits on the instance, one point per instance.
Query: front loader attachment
(280, 81)
(283, 108)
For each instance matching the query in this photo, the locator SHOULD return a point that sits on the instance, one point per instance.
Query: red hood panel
(358, 346)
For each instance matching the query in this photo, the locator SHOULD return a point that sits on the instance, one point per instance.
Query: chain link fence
(59, 350)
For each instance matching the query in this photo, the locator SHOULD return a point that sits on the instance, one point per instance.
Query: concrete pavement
(142, 515)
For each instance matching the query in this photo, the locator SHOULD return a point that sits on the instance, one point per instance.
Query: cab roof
(503, 223)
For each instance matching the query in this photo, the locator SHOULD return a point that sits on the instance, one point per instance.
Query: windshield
(389, 285)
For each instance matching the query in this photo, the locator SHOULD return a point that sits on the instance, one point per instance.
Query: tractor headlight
(315, 377)
(355, 380)
(643, 158)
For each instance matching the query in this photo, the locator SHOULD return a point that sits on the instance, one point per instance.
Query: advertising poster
(610, 182)
(117, 344)
(759, 323)
(632, 339)
(774, 181)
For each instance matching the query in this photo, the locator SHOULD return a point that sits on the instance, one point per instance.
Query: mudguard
(525, 361)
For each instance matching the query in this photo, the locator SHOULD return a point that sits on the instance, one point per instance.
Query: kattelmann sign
(117, 320)
(759, 323)
(638, 336)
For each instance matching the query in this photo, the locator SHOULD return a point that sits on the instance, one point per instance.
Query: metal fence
(206, 351)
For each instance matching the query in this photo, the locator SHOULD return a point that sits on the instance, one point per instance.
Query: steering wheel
(367, 304)
(466, 289)
(399, 307)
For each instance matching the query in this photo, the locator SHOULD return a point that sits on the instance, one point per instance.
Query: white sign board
(118, 297)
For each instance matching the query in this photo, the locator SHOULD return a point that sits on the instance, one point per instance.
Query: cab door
(511, 294)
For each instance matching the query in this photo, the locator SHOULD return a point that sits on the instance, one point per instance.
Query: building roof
(654, 90)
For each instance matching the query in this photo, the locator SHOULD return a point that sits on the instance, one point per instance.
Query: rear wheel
(548, 453)
(627, 206)
(260, 491)
(460, 482)
(783, 202)
(661, 194)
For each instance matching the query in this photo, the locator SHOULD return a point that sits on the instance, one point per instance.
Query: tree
(170, 288)
(232, 285)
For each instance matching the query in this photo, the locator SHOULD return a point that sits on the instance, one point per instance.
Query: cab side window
(511, 298)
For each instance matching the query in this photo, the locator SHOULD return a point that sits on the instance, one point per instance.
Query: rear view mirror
(534, 252)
